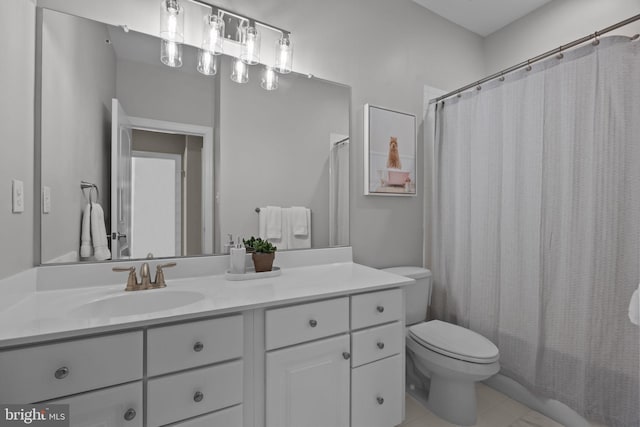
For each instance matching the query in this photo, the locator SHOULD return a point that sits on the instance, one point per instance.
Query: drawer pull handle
(62, 373)
(346, 355)
(380, 309)
(198, 396)
(313, 323)
(380, 345)
(130, 414)
(197, 347)
(380, 400)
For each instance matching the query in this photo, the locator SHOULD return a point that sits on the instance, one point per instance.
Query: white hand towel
(293, 241)
(86, 250)
(634, 307)
(299, 223)
(274, 222)
(99, 233)
(262, 229)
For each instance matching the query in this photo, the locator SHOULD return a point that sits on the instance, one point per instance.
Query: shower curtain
(536, 224)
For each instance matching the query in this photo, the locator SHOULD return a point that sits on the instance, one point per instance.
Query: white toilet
(452, 357)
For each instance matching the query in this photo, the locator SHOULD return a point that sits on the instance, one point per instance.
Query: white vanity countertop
(47, 315)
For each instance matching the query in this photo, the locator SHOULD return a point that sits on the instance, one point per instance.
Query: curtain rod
(540, 57)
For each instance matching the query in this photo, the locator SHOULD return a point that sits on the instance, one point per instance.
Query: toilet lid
(454, 341)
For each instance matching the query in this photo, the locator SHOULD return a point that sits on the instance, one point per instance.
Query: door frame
(206, 133)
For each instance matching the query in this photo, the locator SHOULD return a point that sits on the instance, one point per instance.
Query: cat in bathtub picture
(393, 160)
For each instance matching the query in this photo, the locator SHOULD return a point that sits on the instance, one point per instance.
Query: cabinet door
(377, 393)
(308, 385)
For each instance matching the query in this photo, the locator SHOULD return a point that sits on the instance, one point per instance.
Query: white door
(120, 181)
(308, 384)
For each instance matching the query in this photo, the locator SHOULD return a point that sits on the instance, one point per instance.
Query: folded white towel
(293, 241)
(86, 250)
(274, 222)
(298, 221)
(99, 234)
(93, 236)
(262, 230)
(634, 307)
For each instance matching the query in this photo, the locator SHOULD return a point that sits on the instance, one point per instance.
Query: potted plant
(262, 253)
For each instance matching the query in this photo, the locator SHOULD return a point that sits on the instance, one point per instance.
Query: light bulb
(171, 53)
(269, 80)
(239, 72)
(213, 32)
(207, 63)
(284, 55)
(250, 46)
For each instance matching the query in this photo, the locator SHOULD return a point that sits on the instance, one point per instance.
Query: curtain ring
(528, 65)
(501, 77)
(595, 41)
(560, 55)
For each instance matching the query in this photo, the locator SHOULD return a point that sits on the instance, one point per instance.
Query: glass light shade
(172, 21)
(269, 80)
(250, 53)
(207, 63)
(213, 34)
(240, 71)
(284, 55)
(171, 53)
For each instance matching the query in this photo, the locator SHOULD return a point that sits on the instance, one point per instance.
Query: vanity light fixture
(269, 80)
(223, 26)
(240, 71)
(171, 32)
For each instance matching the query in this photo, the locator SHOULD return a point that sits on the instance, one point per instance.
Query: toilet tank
(418, 296)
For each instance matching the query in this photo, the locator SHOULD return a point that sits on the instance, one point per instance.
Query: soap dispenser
(237, 258)
(228, 245)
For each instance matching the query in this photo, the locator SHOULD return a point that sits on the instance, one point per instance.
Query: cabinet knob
(380, 345)
(380, 309)
(380, 400)
(62, 373)
(346, 355)
(313, 323)
(130, 414)
(198, 396)
(197, 347)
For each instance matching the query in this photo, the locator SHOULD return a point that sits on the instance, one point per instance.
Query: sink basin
(138, 302)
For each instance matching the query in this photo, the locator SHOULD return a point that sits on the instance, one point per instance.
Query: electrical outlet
(18, 196)
(46, 200)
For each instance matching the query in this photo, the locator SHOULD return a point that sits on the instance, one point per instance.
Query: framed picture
(389, 153)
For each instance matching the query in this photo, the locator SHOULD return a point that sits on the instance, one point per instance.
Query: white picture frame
(390, 152)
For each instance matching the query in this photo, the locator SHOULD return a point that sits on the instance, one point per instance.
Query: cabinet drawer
(114, 407)
(176, 397)
(377, 394)
(375, 308)
(173, 348)
(377, 343)
(306, 322)
(230, 417)
(44, 372)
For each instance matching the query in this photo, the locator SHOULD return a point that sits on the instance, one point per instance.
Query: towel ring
(84, 185)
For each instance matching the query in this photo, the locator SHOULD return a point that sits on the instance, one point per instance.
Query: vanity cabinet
(338, 362)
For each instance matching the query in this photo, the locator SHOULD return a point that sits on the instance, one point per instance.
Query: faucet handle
(132, 280)
(159, 281)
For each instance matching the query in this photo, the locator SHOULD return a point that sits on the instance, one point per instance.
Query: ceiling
(483, 17)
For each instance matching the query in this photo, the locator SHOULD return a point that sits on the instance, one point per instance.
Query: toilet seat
(454, 341)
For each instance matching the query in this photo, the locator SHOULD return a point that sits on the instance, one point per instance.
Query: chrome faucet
(145, 277)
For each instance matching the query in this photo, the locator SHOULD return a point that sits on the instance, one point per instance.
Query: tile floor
(494, 410)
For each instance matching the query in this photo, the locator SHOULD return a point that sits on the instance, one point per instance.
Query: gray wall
(258, 167)
(143, 91)
(78, 83)
(556, 23)
(17, 32)
(386, 50)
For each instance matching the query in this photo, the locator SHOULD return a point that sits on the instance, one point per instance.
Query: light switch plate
(46, 200)
(18, 196)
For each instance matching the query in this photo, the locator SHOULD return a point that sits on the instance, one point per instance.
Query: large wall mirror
(176, 160)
